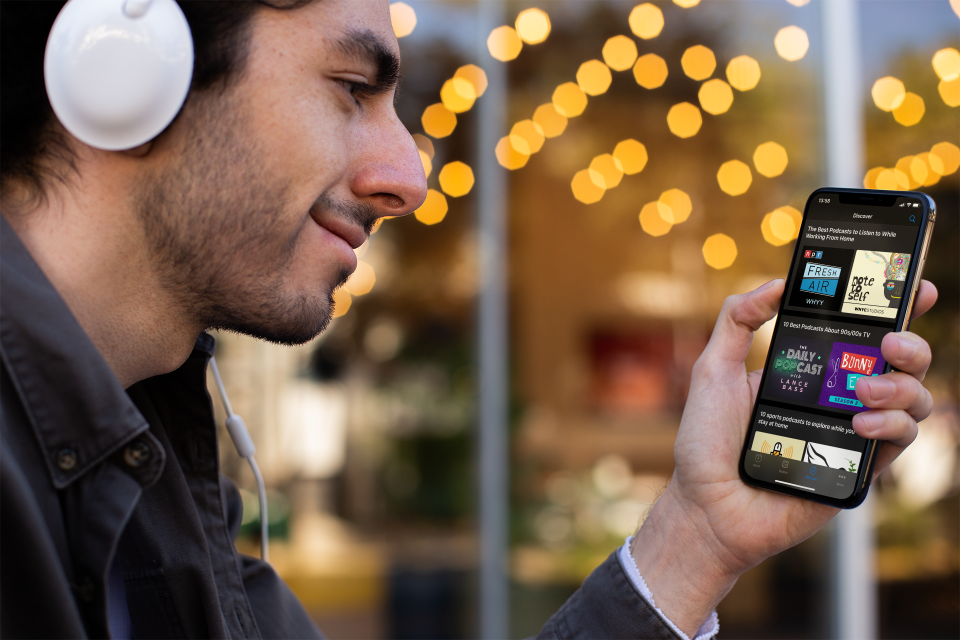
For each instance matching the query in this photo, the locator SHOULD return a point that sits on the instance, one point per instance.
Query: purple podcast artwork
(848, 363)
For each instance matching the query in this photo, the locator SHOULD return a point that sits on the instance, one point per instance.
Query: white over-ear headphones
(118, 71)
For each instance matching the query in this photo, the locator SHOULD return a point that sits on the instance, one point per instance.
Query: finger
(740, 317)
(895, 391)
(907, 352)
(926, 295)
(896, 427)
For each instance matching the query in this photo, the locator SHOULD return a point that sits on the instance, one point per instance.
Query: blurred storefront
(659, 155)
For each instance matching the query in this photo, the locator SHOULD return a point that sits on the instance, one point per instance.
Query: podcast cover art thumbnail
(776, 445)
(821, 278)
(797, 368)
(876, 284)
(849, 362)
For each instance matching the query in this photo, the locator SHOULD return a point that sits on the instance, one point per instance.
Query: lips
(349, 233)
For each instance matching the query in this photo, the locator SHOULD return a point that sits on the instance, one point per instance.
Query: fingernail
(907, 348)
(770, 284)
(871, 422)
(880, 389)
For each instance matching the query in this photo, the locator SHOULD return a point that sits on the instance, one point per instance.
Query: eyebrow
(365, 45)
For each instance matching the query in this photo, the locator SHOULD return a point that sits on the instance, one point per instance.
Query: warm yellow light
(650, 71)
(903, 180)
(946, 63)
(533, 26)
(504, 43)
(594, 77)
(587, 186)
(911, 111)
(791, 43)
(632, 156)
(652, 222)
(426, 161)
(438, 121)
(770, 159)
(404, 19)
(870, 179)
(609, 168)
(458, 95)
(716, 96)
(888, 93)
(955, 5)
(903, 166)
(620, 52)
(949, 156)
(362, 280)
(341, 302)
(456, 179)
(950, 92)
(932, 172)
(768, 234)
(512, 152)
(919, 171)
(550, 120)
(797, 219)
(674, 206)
(934, 162)
(531, 132)
(569, 99)
(433, 209)
(782, 225)
(799, 3)
(475, 76)
(743, 72)
(719, 251)
(646, 21)
(887, 180)
(686, 4)
(684, 120)
(698, 62)
(424, 144)
(734, 177)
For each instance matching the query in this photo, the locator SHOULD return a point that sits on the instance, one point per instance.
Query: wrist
(681, 561)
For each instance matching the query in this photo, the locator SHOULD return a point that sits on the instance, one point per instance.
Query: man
(243, 215)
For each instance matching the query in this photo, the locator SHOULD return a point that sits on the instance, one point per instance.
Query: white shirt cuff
(709, 629)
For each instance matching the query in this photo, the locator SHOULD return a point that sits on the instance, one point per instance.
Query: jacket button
(87, 590)
(136, 454)
(66, 459)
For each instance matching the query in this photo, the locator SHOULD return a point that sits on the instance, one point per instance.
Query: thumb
(740, 317)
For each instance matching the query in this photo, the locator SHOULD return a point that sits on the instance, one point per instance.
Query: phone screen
(844, 294)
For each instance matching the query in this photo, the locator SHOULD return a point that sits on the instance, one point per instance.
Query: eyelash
(357, 90)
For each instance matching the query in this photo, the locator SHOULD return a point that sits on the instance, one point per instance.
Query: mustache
(363, 214)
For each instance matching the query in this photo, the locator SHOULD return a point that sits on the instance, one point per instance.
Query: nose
(389, 174)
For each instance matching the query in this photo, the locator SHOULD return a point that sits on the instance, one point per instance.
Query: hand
(709, 527)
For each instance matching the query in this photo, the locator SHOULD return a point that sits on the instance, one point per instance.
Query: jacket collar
(78, 409)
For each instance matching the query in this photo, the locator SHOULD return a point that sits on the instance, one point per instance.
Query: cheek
(306, 143)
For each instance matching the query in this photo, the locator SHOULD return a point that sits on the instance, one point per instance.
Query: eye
(357, 90)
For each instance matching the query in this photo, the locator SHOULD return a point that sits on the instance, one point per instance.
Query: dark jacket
(90, 472)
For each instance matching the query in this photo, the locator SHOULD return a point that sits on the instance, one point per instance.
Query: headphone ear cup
(118, 71)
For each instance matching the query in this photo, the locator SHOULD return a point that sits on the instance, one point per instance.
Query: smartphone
(855, 272)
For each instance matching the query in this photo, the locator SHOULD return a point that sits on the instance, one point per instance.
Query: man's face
(259, 193)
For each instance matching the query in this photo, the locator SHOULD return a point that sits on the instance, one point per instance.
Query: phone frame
(924, 234)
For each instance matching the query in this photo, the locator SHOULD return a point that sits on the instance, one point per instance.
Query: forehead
(324, 22)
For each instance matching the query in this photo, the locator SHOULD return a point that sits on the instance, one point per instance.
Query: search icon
(913, 218)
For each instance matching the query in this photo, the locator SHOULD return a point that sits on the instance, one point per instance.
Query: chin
(297, 324)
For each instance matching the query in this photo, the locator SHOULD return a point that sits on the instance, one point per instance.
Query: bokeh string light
(921, 170)
(791, 43)
(403, 19)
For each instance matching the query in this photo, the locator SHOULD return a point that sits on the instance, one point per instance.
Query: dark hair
(33, 151)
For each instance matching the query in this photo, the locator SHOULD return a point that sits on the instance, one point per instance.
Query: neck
(91, 247)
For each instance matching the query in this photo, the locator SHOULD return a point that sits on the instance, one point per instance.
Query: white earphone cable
(245, 447)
